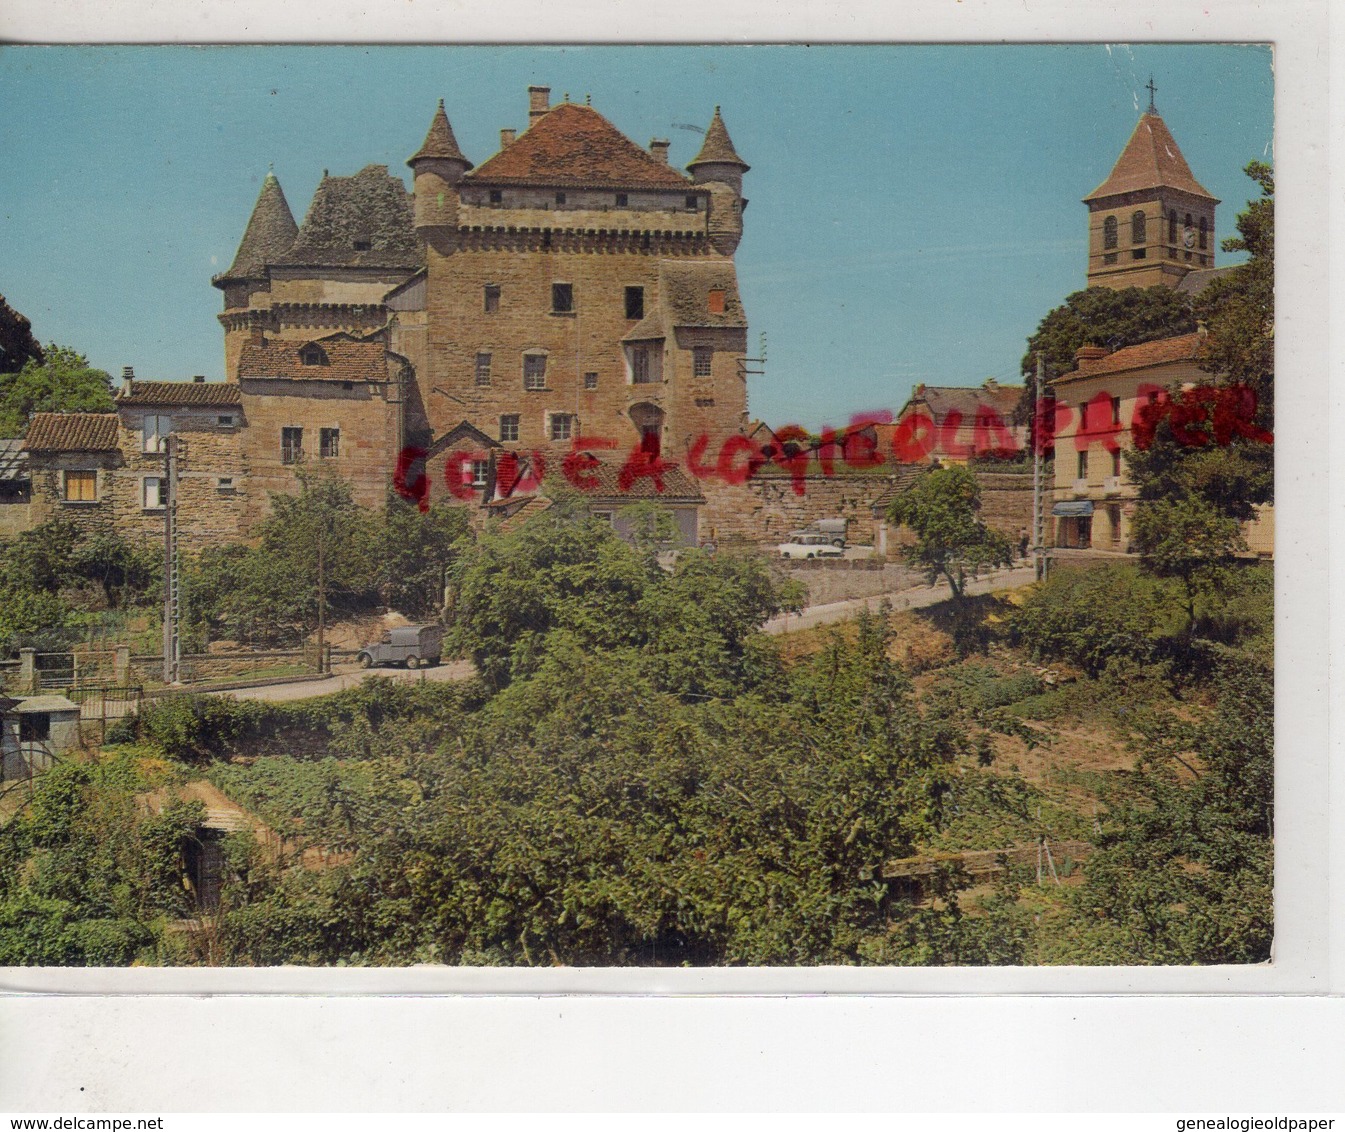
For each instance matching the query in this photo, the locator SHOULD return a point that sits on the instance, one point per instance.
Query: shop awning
(1073, 509)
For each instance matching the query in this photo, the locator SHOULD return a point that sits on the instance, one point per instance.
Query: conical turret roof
(270, 232)
(439, 142)
(1151, 160)
(718, 147)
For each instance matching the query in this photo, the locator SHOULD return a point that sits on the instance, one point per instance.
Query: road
(916, 597)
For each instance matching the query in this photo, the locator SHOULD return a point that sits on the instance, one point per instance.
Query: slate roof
(1151, 159)
(1183, 348)
(13, 460)
(718, 147)
(572, 145)
(269, 235)
(347, 360)
(684, 293)
(72, 432)
(439, 142)
(372, 206)
(941, 400)
(1193, 282)
(180, 393)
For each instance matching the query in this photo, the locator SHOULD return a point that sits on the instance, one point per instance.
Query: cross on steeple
(1152, 108)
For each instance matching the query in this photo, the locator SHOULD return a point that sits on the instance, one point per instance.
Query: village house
(958, 424)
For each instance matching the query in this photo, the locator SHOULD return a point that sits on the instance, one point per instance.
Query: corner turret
(719, 168)
(438, 166)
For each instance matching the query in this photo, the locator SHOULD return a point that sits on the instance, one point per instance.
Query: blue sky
(915, 210)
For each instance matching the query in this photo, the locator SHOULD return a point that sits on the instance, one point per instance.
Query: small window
(561, 426)
(1204, 233)
(560, 198)
(1140, 253)
(1137, 228)
(35, 727)
(1172, 226)
(225, 485)
(634, 302)
(622, 200)
(562, 298)
(156, 431)
(1116, 410)
(1110, 257)
(363, 245)
(492, 297)
(1116, 463)
(291, 445)
(702, 357)
(1083, 417)
(226, 420)
(154, 493)
(715, 301)
(329, 441)
(1109, 232)
(480, 468)
(534, 371)
(639, 364)
(693, 202)
(483, 369)
(496, 197)
(1083, 466)
(313, 355)
(509, 427)
(603, 516)
(81, 486)
(590, 381)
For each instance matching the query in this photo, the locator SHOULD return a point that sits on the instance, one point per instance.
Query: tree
(1101, 316)
(64, 382)
(417, 548)
(17, 344)
(951, 540)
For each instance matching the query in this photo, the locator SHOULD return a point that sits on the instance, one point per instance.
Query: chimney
(990, 385)
(539, 102)
(127, 376)
(507, 138)
(199, 379)
(1084, 356)
(659, 148)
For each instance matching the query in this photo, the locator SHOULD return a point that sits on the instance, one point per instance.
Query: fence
(64, 672)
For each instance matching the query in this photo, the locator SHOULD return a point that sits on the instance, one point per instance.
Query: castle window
(496, 197)
(560, 198)
(693, 202)
(329, 443)
(622, 200)
(291, 445)
(226, 420)
(509, 427)
(363, 245)
(1110, 257)
(313, 355)
(1109, 235)
(154, 493)
(534, 371)
(1137, 228)
(225, 484)
(702, 356)
(483, 369)
(1204, 233)
(639, 364)
(562, 298)
(480, 469)
(155, 431)
(1116, 463)
(492, 293)
(590, 381)
(634, 302)
(1172, 226)
(561, 426)
(81, 486)
(715, 302)
(1116, 410)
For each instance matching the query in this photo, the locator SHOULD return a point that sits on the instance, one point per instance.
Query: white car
(810, 546)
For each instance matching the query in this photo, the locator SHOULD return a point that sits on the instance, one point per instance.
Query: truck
(833, 529)
(409, 645)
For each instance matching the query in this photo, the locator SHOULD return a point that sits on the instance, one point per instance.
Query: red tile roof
(572, 145)
(72, 432)
(347, 360)
(1183, 348)
(180, 393)
(678, 487)
(941, 400)
(1151, 159)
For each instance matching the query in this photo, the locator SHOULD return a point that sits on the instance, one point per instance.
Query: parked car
(411, 645)
(810, 546)
(834, 529)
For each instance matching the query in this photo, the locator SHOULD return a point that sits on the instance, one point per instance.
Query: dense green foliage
(63, 381)
(942, 510)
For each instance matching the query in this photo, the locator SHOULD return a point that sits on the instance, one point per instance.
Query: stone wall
(766, 509)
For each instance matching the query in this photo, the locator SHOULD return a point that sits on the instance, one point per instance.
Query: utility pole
(172, 576)
(322, 590)
(1038, 444)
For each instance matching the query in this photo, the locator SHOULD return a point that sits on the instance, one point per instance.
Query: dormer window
(313, 355)
(693, 202)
